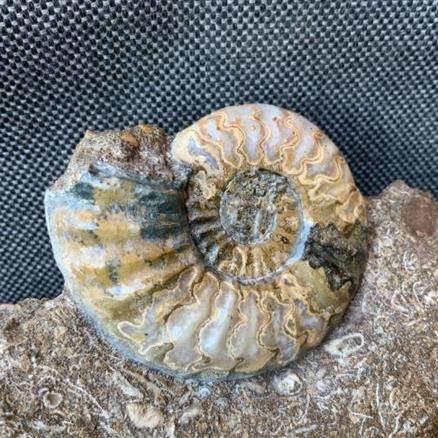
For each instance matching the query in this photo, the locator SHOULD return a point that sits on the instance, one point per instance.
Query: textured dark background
(365, 71)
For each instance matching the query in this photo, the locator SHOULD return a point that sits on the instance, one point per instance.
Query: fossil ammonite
(222, 252)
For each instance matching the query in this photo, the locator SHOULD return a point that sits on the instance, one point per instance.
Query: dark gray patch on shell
(342, 255)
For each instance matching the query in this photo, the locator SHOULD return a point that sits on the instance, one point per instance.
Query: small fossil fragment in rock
(144, 416)
(190, 414)
(345, 346)
(287, 383)
(220, 254)
(52, 399)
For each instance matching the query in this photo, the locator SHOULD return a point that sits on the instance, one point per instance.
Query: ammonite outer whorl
(222, 254)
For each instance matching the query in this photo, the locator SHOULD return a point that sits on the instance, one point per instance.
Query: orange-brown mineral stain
(421, 215)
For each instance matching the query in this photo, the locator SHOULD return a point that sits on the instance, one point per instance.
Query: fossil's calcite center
(250, 205)
(249, 229)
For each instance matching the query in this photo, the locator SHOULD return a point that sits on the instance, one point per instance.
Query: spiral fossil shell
(221, 253)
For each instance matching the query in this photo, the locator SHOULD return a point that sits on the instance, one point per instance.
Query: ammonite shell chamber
(221, 253)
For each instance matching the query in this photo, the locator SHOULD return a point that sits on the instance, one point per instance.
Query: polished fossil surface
(219, 253)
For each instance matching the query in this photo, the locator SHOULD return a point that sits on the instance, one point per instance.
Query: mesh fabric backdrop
(365, 71)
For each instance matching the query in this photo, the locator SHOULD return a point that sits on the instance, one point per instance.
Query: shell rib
(223, 254)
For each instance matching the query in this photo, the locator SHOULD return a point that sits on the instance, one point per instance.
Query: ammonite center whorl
(251, 229)
(222, 253)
